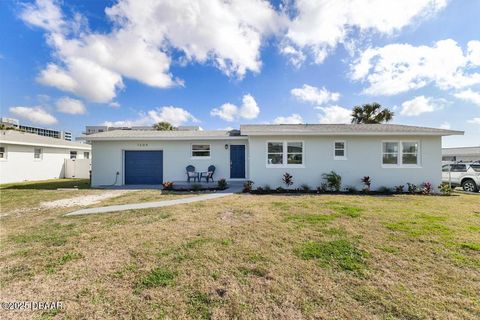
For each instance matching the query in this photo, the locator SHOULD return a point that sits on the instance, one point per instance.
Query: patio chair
(209, 174)
(191, 173)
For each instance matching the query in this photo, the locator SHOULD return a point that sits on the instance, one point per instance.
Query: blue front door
(143, 167)
(237, 161)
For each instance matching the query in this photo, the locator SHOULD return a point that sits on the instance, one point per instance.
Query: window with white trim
(340, 150)
(200, 151)
(73, 154)
(3, 153)
(400, 153)
(284, 153)
(37, 153)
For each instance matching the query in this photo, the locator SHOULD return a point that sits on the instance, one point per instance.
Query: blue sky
(67, 64)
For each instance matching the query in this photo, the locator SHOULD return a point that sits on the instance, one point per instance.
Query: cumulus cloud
(314, 95)
(474, 121)
(174, 115)
(397, 68)
(321, 25)
(469, 95)
(230, 112)
(35, 114)
(292, 119)
(227, 35)
(334, 114)
(419, 105)
(71, 106)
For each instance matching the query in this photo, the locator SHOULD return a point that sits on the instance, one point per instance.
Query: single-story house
(390, 154)
(463, 154)
(29, 157)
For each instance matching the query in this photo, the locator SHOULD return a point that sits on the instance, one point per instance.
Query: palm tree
(163, 126)
(371, 113)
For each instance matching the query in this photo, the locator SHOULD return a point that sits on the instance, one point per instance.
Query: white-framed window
(400, 153)
(340, 150)
(285, 154)
(86, 155)
(3, 153)
(200, 151)
(73, 154)
(37, 153)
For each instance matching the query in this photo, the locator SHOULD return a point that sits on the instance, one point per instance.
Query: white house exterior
(389, 154)
(30, 157)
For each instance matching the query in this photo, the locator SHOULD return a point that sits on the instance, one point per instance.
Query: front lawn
(250, 257)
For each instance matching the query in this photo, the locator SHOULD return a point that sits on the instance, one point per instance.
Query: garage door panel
(143, 167)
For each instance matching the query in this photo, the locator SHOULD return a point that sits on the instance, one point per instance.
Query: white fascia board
(293, 133)
(164, 138)
(46, 145)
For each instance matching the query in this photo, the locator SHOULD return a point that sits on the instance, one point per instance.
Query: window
(200, 151)
(446, 168)
(3, 153)
(73, 154)
(400, 153)
(339, 150)
(86, 155)
(458, 168)
(37, 153)
(284, 153)
(475, 167)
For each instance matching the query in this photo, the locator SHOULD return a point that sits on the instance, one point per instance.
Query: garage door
(143, 167)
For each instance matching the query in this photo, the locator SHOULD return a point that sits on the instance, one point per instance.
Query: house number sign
(142, 144)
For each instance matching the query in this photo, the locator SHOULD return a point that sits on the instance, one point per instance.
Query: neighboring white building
(463, 154)
(389, 154)
(15, 123)
(29, 157)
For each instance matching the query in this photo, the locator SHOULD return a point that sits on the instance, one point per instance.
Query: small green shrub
(333, 180)
(399, 188)
(351, 189)
(281, 190)
(196, 187)
(445, 189)
(411, 187)
(322, 188)
(287, 179)
(305, 187)
(222, 183)
(248, 186)
(367, 182)
(384, 190)
(267, 188)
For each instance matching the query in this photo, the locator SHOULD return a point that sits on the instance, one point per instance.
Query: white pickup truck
(464, 174)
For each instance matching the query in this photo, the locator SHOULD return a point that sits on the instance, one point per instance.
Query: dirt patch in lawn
(84, 200)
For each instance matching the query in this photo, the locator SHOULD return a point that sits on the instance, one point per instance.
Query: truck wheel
(469, 185)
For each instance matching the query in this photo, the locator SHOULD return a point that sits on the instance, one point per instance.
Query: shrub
(399, 188)
(367, 182)
(222, 183)
(248, 186)
(280, 190)
(305, 187)
(260, 190)
(333, 180)
(351, 189)
(167, 185)
(384, 190)
(287, 179)
(196, 187)
(445, 189)
(427, 188)
(322, 188)
(411, 187)
(267, 188)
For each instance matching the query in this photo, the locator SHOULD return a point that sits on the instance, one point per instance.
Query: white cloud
(322, 24)
(35, 114)
(292, 119)
(114, 104)
(397, 68)
(230, 112)
(469, 95)
(334, 114)
(174, 115)
(418, 105)
(71, 106)
(445, 125)
(296, 56)
(314, 95)
(474, 121)
(226, 34)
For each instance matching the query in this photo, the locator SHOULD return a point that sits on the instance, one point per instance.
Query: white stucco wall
(364, 158)
(20, 164)
(108, 158)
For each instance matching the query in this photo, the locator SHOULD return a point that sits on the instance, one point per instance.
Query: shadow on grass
(48, 184)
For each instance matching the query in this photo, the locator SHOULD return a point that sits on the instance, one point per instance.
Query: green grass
(48, 184)
(199, 305)
(337, 253)
(158, 277)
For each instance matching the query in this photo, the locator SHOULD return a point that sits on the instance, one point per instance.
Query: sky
(218, 64)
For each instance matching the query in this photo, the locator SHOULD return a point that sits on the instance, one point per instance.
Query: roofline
(46, 145)
(379, 133)
(165, 138)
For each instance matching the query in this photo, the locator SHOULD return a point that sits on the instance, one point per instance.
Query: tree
(163, 126)
(371, 113)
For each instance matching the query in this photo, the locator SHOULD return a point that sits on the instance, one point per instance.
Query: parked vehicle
(466, 175)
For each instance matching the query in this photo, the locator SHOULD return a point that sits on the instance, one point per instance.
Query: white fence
(78, 168)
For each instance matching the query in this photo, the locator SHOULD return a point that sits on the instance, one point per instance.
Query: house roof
(30, 139)
(342, 129)
(164, 135)
(461, 151)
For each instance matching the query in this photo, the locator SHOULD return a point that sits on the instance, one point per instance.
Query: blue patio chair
(209, 174)
(191, 173)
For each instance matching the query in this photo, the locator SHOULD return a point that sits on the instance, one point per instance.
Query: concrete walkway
(146, 205)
